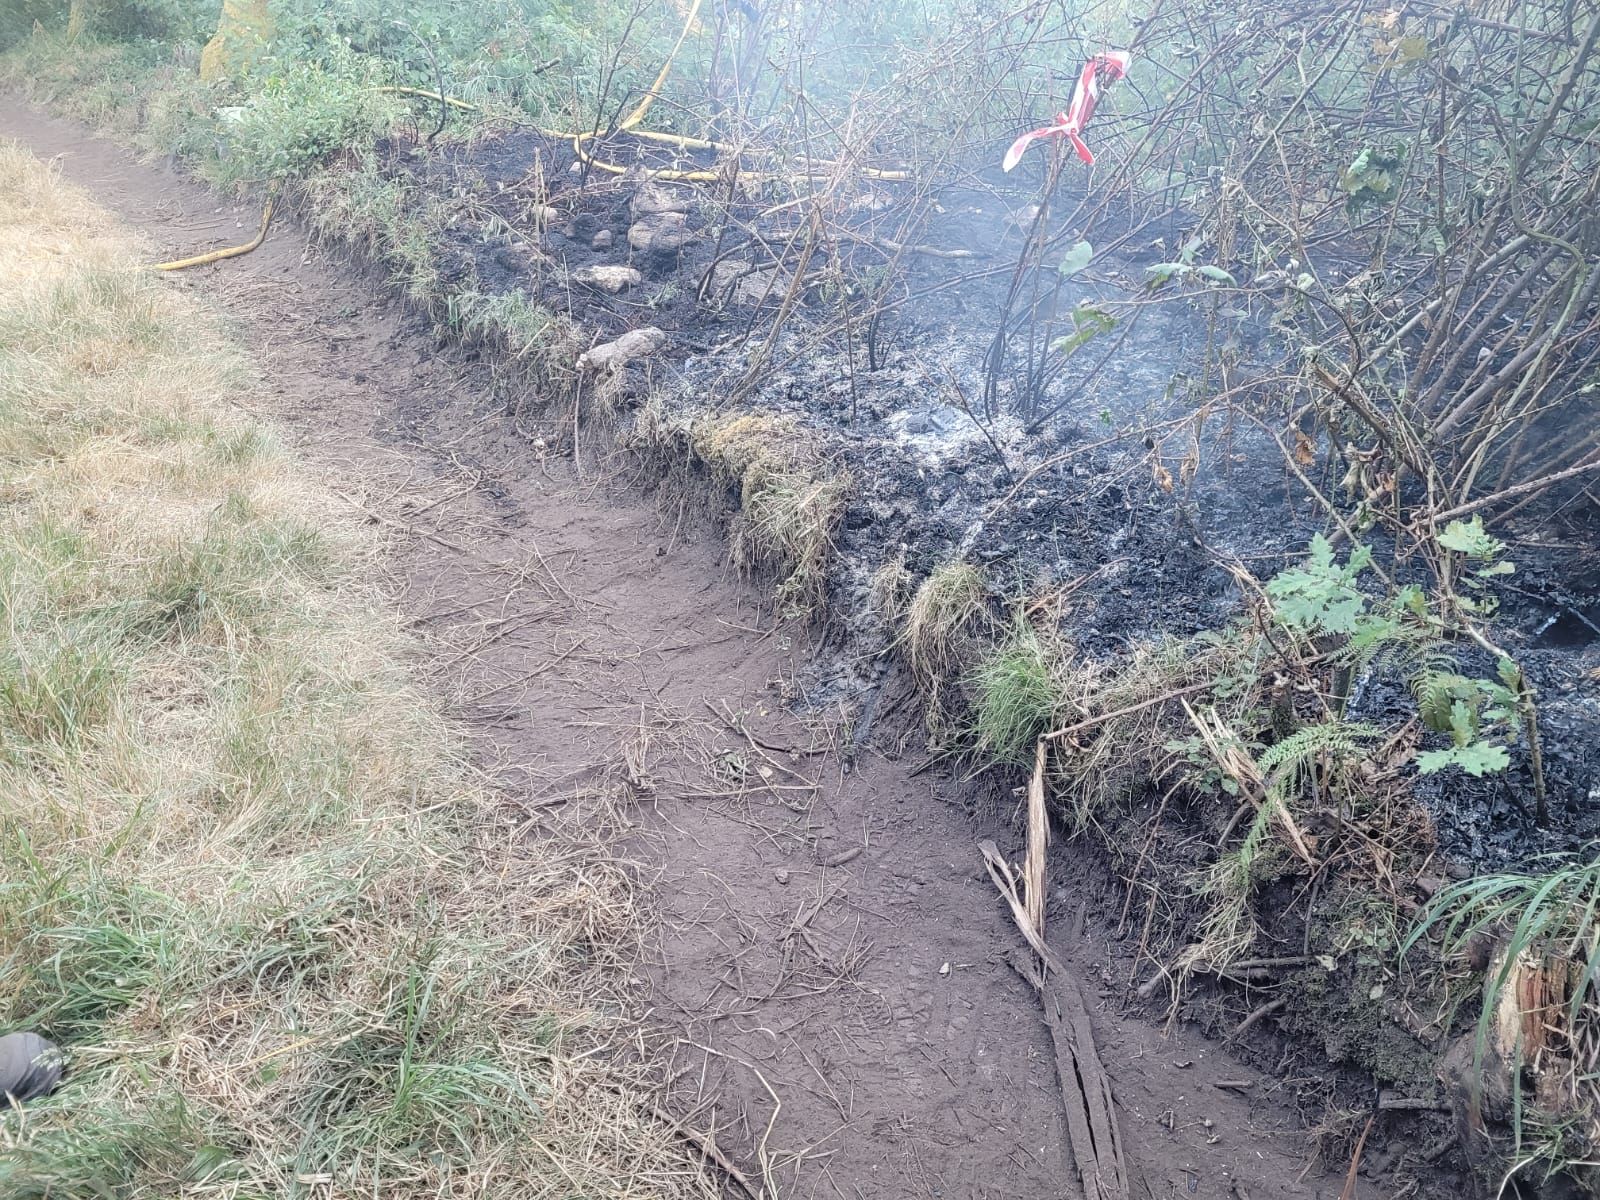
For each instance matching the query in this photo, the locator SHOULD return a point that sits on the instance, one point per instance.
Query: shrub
(303, 114)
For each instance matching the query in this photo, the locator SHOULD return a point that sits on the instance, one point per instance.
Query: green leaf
(1478, 759)
(1470, 538)
(1321, 597)
(1321, 552)
(1164, 272)
(1370, 178)
(1217, 275)
(1510, 674)
(1088, 323)
(1463, 722)
(1412, 599)
(1373, 631)
(1410, 50)
(1076, 259)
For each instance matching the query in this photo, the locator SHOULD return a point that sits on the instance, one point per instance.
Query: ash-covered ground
(1111, 484)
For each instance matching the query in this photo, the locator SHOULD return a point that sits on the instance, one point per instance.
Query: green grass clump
(1016, 695)
(288, 942)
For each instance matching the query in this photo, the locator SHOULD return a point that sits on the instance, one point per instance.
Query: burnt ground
(907, 1057)
(1108, 486)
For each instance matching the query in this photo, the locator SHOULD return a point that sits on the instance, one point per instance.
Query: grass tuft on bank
(291, 945)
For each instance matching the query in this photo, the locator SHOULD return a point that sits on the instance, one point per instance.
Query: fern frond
(1338, 738)
(1286, 764)
(1385, 641)
(1437, 685)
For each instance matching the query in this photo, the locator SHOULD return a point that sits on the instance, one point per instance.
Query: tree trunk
(243, 30)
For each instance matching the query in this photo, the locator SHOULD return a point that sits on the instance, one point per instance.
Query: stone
(607, 278)
(602, 240)
(613, 356)
(653, 199)
(661, 234)
(749, 285)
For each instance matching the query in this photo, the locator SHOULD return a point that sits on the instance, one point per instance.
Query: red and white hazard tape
(1112, 65)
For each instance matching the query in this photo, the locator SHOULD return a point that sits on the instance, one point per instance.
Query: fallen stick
(1411, 1104)
(704, 1143)
(1266, 1010)
(839, 860)
(1090, 722)
(1038, 840)
(1348, 1192)
(738, 726)
(1092, 1131)
(1093, 1134)
(1509, 493)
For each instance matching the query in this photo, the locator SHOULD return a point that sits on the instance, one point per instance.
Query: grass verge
(291, 946)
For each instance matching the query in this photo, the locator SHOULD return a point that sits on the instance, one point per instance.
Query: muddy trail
(826, 969)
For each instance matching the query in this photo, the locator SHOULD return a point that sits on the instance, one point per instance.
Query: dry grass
(1130, 723)
(291, 945)
(791, 498)
(935, 631)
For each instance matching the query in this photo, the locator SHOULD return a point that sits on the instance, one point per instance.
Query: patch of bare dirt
(825, 966)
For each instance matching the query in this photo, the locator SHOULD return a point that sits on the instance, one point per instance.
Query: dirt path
(826, 959)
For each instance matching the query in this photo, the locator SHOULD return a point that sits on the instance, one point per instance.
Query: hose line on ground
(211, 256)
(628, 125)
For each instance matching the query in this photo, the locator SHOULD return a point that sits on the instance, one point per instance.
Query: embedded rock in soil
(613, 356)
(662, 234)
(653, 199)
(608, 279)
(544, 216)
(738, 282)
(602, 240)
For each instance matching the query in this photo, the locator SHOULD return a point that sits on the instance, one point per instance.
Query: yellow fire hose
(211, 256)
(629, 125)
